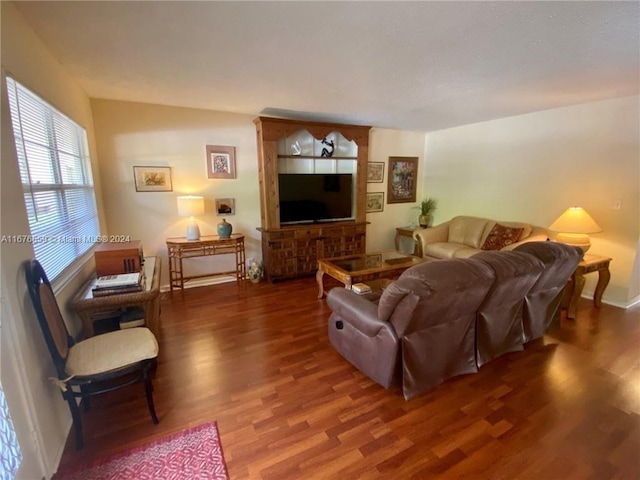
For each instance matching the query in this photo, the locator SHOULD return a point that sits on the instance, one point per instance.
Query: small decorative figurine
(325, 151)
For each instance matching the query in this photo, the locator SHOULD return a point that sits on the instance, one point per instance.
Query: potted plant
(426, 207)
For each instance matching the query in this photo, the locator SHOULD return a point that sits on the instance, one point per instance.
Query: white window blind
(55, 169)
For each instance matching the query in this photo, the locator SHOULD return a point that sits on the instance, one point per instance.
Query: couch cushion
(467, 230)
(528, 229)
(466, 252)
(500, 236)
(443, 249)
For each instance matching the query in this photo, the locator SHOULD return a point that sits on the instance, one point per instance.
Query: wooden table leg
(578, 285)
(319, 275)
(397, 242)
(603, 280)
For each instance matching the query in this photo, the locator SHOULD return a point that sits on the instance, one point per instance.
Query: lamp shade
(575, 220)
(190, 206)
(574, 226)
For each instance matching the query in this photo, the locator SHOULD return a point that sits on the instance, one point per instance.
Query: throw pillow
(501, 236)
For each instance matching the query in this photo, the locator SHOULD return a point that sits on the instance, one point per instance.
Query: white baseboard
(614, 303)
(203, 282)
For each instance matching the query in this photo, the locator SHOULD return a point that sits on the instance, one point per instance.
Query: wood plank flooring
(256, 358)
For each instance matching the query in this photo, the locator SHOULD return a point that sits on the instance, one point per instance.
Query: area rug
(194, 453)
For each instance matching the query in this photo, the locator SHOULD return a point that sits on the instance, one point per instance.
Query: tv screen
(306, 198)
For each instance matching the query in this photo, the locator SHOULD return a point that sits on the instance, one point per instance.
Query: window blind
(55, 170)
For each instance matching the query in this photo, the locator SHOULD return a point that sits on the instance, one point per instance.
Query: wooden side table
(573, 290)
(86, 305)
(408, 232)
(179, 248)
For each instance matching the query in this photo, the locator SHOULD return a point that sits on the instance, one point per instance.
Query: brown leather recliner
(542, 303)
(426, 318)
(499, 327)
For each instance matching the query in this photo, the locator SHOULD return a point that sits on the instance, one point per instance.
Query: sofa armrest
(356, 310)
(424, 236)
(541, 237)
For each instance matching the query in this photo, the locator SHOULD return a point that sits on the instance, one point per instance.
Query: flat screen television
(312, 198)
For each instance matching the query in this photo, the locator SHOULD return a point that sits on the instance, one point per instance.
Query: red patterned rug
(194, 453)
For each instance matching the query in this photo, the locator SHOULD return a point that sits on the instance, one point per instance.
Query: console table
(573, 290)
(179, 248)
(86, 305)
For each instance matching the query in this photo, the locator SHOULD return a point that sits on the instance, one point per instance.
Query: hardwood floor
(256, 358)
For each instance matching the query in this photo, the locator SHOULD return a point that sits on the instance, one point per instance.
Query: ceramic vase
(424, 220)
(224, 229)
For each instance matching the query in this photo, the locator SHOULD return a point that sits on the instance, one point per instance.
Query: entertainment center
(312, 193)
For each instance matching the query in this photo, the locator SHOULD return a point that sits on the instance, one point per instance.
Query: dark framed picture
(375, 172)
(153, 179)
(225, 206)
(375, 202)
(221, 161)
(402, 179)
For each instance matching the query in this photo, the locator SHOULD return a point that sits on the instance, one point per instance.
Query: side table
(408, 232)
(179, 248)
(86, 305)
(573, 290)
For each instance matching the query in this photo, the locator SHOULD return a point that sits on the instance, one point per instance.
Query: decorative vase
(424, 220)
(224, 229)
(255, 270)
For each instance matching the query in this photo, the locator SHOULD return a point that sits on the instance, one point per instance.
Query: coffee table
(368, 266)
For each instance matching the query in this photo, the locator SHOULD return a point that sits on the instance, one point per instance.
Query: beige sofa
(463, 237)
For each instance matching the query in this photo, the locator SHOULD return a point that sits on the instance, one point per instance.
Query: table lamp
(573, 227)
(191, 206)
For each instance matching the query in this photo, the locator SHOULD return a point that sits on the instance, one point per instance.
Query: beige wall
(34, 402)
(384, 143)
(532, 167)
(137, 134)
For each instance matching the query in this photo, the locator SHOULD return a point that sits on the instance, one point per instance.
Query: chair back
(50, 319)
(437, 325)
(543, 301)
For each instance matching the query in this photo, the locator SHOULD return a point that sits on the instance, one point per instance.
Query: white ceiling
(407, 65)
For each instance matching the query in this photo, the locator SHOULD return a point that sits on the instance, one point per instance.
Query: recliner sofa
(448, 317)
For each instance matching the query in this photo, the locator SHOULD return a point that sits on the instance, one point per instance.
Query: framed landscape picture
(402, 179)
(221, 161)
(375, 172)
(225, 206)
(375, 202)
(152, 179)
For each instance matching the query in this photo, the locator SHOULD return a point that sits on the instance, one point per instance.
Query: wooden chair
(93, 366)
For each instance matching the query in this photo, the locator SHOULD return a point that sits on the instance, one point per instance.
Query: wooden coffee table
(360, 268)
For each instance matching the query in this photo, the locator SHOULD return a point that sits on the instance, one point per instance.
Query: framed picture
(221, 161)
(402, 179)
(375, 202)
(375, 172)
(153, 179)
(225, 206)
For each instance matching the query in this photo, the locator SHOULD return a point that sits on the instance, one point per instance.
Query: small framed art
(402, 179)
(375, 172)
(152, 179)
(225, 206)
(221, 161)
(375, 202)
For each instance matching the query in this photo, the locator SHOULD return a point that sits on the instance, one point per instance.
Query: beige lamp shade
(191, 206)
(573, 227)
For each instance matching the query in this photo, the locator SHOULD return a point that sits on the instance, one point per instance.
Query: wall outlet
(617, 205)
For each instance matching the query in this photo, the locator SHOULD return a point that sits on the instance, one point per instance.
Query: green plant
(427, 206)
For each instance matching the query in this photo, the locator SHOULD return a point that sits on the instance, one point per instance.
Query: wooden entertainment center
(290, 146)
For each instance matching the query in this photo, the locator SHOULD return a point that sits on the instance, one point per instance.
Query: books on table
(360, 288)
(118, 284)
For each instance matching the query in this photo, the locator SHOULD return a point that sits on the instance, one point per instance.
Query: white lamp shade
(575, 220)
(573, 227)
(190, 206)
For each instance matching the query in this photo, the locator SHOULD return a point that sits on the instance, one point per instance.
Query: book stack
(360, 288)
(118, 284)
